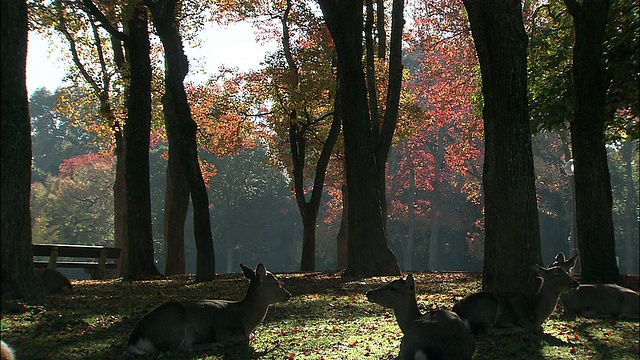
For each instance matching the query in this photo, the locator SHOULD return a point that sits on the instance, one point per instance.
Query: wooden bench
(98, 258)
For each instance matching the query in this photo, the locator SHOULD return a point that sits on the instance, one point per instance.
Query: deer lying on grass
(54, 281)
(494, 314)
(7, 352)
(204, 324)
(435, 335)
(597, 301)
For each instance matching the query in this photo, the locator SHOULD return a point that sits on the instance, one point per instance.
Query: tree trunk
(18, 277)
(408, 256)
(140, 259)
(368, 253)
(630, 212)
(176, 108)
(120, 202)
(594, 200)
(176, 206)
(512, 234)
(343, 234)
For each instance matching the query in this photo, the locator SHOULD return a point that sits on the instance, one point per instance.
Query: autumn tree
(367, 137)
(98, 72)
(512, 235)
(593, 184)
(183, 152)
(445, 152)
(16, 270)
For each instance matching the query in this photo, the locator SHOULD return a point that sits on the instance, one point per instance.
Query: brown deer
(54, 281)
(7, 352)
(436, 334)
(598, 301)
(494, 314)
(204, 324)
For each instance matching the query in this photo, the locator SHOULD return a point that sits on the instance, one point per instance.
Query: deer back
(602, 301)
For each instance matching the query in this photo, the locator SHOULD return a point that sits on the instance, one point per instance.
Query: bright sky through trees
(231, 46)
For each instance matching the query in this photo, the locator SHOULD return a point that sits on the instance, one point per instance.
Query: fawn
(204, 324)
(437, 334)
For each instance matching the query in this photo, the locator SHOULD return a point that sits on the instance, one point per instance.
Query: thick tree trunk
(512, 235)
(176, 206)
(120, 202)
(368, 253)
(176, 108)
(18, 277)
(140, 259)
(594, 200)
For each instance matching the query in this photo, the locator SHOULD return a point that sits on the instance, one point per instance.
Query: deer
(494, 314)
(438, 334)
(7, 352)
(598, 301)
(54, 281)
(205, 324)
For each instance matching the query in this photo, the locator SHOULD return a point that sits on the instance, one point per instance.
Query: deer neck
(252, 309)
(406, 314)
(545, 303)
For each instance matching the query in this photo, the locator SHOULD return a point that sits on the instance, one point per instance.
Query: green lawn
(327, 318)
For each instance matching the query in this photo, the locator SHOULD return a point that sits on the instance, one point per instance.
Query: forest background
(433, 171)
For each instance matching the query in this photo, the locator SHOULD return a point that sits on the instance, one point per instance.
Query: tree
(512, 235)
(17, 274)
(181, 131)
(593, 184)
(139, 237)
(368, 253)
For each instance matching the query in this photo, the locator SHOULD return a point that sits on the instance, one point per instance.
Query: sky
(232, 46)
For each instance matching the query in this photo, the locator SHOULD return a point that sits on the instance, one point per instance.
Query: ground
(327, 318)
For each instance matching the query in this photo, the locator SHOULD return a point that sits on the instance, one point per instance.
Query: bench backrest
(65, 250)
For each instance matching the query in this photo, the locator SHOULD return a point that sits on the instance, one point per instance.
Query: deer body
(203, 324)
(434, 335)
(602, 301)
(493, 313)
(608, 301)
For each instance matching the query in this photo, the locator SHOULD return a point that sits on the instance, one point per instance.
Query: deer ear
(410, 283)
(248, 272)
(261, 270)
(560, 257)
(539, 270)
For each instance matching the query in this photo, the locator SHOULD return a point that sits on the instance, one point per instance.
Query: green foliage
(550, 68)
(327, 318)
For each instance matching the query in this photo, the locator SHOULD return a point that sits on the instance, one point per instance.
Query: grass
(327, 318)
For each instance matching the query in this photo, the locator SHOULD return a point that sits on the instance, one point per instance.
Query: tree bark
(18, 277)
(120, 201)
(594, 200)
(512, 234)
(177, 112)
(139, 236)
(368, 253)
